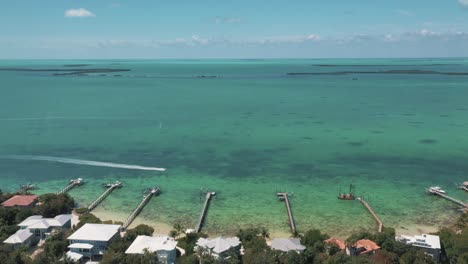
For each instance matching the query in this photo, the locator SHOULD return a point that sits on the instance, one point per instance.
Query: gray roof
(37, 221)
(95, 232)
(219, 244)
(287, 244)
(19, 237)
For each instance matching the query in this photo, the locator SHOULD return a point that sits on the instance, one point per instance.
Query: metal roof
(219, 244)
(153, 244)
(95, 232)
(287, 244)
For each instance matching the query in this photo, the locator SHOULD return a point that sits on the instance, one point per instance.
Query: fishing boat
(347, 196)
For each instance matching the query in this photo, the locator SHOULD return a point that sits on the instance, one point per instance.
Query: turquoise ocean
(244, 129)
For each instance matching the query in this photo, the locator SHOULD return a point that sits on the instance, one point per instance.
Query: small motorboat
(437, 189)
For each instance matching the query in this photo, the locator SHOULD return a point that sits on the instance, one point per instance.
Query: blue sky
(233, 29)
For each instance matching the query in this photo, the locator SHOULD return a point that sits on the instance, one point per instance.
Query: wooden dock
(204, 211)
(284, 197)
(134, 214)
(73, 183)
(458, 202)
(110, 188)
(369, 208)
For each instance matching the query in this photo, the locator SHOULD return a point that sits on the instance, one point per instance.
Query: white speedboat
(437, 189)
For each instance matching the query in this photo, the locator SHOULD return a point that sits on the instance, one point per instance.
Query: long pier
(110, 188)
(134, 214)
(292, 223)
(369, 208)
(458, 202)
(73, 183)
(204, 211)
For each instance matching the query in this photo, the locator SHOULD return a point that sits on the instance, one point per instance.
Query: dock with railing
(369, 208)
(150, 193)
(110, 187)
(73, 184)
(445, 196)
(204, 211)
(283, 196)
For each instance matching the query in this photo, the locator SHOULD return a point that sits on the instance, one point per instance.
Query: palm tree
(179, 228)
(265, 233)
(173, 233)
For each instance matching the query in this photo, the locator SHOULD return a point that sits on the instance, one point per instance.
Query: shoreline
(164, 228)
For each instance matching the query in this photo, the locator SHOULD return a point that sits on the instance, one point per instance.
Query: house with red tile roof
(336, 242)
(362, 247)
(21, 201)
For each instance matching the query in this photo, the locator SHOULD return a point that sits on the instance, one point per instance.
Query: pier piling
(369, 208)
(134, 214)
(110, 188)
(73, 183)
(284, 197)
(204, 211)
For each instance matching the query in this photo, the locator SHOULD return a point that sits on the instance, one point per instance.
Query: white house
(36, 228)
(163, 246)
(220, 247)
(287, 244)
(430, 244)
(91, 240)
(22, 237)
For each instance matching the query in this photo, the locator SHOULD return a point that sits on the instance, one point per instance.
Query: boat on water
(347, 196)
(436, 189)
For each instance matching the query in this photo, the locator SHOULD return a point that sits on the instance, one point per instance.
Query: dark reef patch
(428, 141)
(64, 72)
(356, 143)
(415, 72)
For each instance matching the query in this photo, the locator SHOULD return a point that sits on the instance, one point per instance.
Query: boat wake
(82, 162)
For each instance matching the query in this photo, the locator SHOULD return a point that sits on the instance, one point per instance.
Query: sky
(188, 29)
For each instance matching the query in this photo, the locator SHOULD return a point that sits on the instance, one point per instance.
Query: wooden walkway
(204, 211)
(110, 188)
(134, 214)
(369, 208)
(292, 223)
(458, 202)
(73, 183)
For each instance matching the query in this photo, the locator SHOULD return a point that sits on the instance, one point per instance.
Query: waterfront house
(336, 242)
(430, 244)
(21, 238)
(42, 228)
(287, 244)
(92, 240)
(362, 247)
(27, 201)
(162, 246)
(36, 228)
(220, 247)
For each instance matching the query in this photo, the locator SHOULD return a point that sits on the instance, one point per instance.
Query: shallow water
(251, 131)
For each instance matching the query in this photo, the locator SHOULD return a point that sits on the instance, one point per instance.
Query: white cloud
(463, 2)
(228, 20)
(404, 12)
(79, 12)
